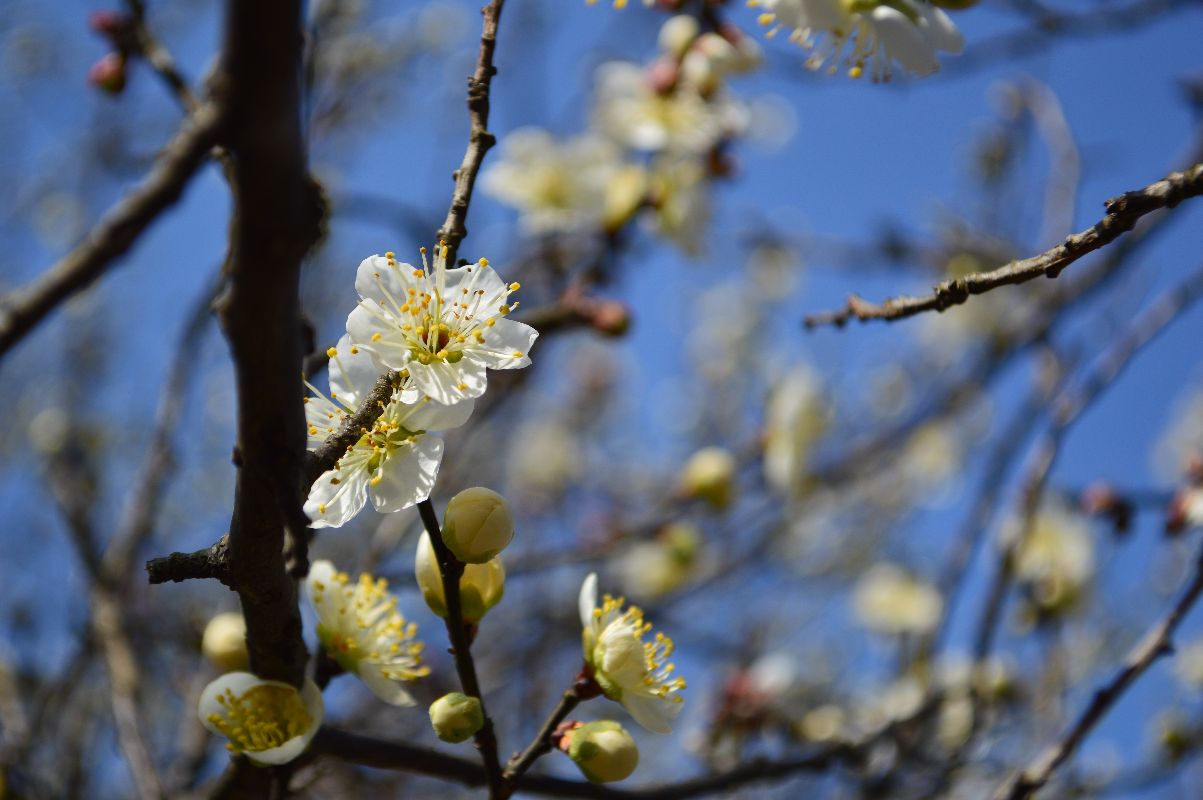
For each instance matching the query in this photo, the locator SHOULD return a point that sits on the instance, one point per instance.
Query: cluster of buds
(109, 73)
(476, 527)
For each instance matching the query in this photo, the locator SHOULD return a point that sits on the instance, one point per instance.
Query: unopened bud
(109, 23)
(224, 642)
(480, 588)
(478, 525)
(456, 717)
(108, 74)
(603, 750)
(662, 75)
(677, 34)
(710, 475)
(610, 317)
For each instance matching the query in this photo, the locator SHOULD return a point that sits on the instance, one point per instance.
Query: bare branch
(1155, 644)
(113, 236)
(1123, 213)
(1067, 409)
(479, 139)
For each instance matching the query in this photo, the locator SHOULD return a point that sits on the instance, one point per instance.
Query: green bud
(456, 717)
(480, 588)
(603, 751)
(709, 475)
(478, 525)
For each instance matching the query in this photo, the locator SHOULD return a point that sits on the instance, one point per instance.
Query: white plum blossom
(867, 35)
(557, 186)
(444, 326)
(795, 419)
(269, 722)
(629, 670)
(359, 626)
(633, 112)
(395, 462)
(888, 600)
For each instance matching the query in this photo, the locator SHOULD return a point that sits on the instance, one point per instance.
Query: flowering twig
(479, 139)
(452, 570)
(1123, 212)
(1155, 644)
(22, 310)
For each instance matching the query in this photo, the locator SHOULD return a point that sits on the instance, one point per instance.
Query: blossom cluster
(867, 36)
(419, 344)
(440, 329)
(658, 135)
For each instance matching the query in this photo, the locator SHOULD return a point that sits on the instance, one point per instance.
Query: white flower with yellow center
(556, 186)
(395, 462)
(875, 33)
(632, 112)
(359, 626)
(445, 326)
(267, 721)
(629, 670)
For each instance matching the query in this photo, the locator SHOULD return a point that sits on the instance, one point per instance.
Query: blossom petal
(507, 345)
(588, 600)
(339, 494)
(450, 383)
(321, 588)
(377, 280)
(654, 713)
(940, 29)
(407, 477)
(352, 373)
(904, 42)
(372, 329)
(387, 689)
(433, 416)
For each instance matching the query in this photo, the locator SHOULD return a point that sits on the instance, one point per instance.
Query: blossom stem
(542, 743)
(452, 570)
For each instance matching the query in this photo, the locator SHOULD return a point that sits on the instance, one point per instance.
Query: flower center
(265, 717)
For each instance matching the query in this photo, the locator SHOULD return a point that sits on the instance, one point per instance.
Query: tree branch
(1155, 644)
(479, 139)
(1123, 213)
(113, 236)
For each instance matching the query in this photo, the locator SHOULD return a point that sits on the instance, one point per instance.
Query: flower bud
(480, 588)
(478, 525)
(677, 34)
(456, 717)
(625, 193)
(108, 74)
(710, 475)
(603, 750)
(224, 642)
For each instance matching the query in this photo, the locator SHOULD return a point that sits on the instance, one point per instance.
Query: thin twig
(452, 569)
(479, 139)
(1123, 212)
(1067, 409)
(1155, 644)
(541, 744)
